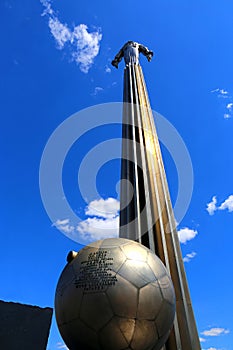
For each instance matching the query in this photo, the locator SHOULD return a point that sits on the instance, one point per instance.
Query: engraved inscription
(95, 272)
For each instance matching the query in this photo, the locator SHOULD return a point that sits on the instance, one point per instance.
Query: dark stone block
(24, 327)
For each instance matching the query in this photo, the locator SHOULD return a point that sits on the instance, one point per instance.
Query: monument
(131, 293)
(148, 218)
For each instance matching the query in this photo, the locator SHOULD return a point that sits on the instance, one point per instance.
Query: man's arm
(146, 52)
(118, 58)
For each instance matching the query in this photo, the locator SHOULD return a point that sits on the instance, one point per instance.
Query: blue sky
(55, 61)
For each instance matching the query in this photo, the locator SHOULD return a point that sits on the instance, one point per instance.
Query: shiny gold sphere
(115, 294)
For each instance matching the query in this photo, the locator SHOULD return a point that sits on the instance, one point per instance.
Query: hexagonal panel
(145, 335)
(137, 272)
(165, 318)
(95, 310)
(123, 297)
(150, 301)
(79, 336)
(156, 265)
(126, 326)
(135, 251)
(72, 299)
(111, 337)
(167, 289)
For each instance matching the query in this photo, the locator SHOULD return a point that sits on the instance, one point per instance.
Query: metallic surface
(135, 313)
(130, 51)
(148, 218)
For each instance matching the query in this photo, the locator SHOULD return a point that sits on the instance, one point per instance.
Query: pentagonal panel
(165, 318)
(67, 276)
(72, 299)
(95, 310)
(135, 252)
(114, 242)
(78, 336)
(126, 326)
(150, 301)
(145, 335)
(118, 258)
(137, 272)
(111, 338)
(123, 298)
(156, 265)
(167, 289)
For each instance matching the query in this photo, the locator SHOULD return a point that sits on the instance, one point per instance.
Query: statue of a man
(130, 51)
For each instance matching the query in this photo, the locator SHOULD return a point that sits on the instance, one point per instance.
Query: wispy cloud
(107, 69)
(226, 205)
(188, 257)
(215, 332)
(82, 44)
(97, 90)
(211, 206)
(64, 226)
(227, 101)
(186, 234)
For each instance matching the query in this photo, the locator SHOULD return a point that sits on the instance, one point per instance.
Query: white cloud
(84, 45)
(186, 234)
(211, 207)
(64, 226)
(189, 257)
(104, 222)
(229, 105)
(107, 69)
(103, 208)
(97, 90)
(47, 8)
(98, 228)
(202, 340)
(60, 32)
(87, 46)
(215, 332)
(227, 204)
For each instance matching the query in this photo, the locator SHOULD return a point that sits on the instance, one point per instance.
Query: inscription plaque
(96, 272)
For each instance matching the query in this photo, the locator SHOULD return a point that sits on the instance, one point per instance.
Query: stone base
(24, 327)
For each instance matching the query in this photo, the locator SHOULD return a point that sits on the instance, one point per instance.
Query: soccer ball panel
(79, 336)
(137, 253)
(145, 334)
(167, 289)
(111, 337)
(164, 318)
(95, 310)
(123, 298)
(137, 272)
(150, 301)
(156, 265)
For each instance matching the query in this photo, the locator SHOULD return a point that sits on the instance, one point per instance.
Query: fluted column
(146, 212)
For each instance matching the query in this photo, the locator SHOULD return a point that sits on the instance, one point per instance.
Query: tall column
(146, 212)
